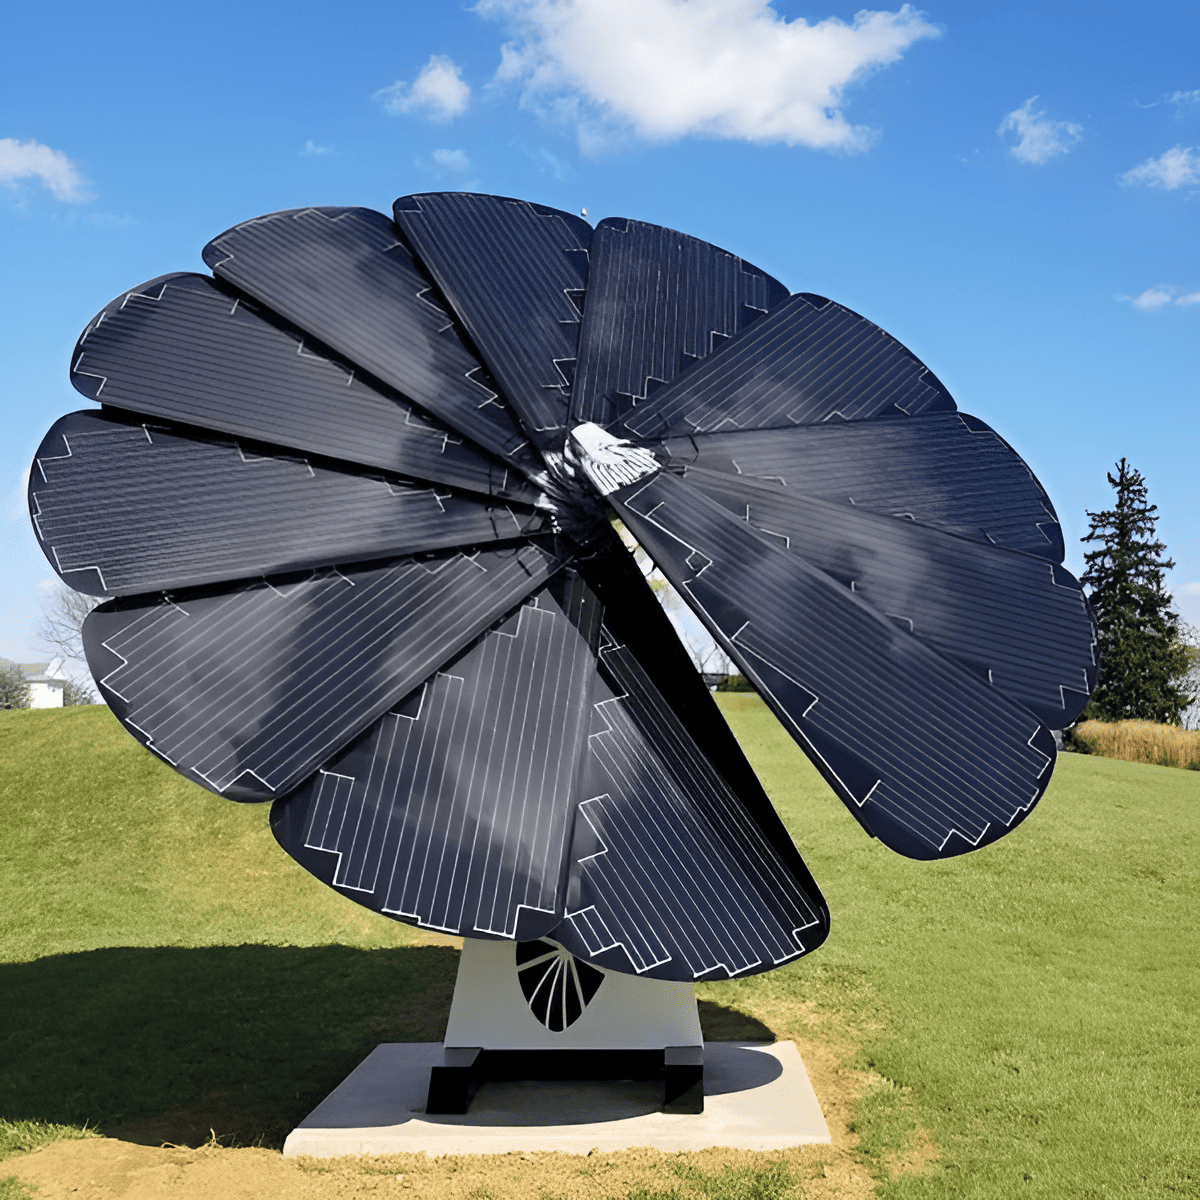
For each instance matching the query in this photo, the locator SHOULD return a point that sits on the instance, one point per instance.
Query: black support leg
(683, 1079)
(450, 1082)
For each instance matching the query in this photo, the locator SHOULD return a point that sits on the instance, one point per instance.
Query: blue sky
(1012, 190)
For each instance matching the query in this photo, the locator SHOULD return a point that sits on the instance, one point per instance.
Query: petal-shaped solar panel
(184, 510)
(948, 470)
(345, 278)
(353, 497)
(185, 348)
(515, 274)
(657, 302)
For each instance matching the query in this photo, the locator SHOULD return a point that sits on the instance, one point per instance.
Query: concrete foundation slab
(757, 1096)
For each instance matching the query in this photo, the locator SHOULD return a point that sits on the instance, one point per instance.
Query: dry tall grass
(1141, 741)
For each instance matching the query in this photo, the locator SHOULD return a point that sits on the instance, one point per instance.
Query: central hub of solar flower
(592, 465)
(610, 462)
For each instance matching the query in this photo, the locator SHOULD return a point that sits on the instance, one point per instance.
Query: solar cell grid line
(512, 273)
(440, 706)
(461, 612)
(707, 791)
(377, 838)
(998, 790)
(784, 369)
(552, 712)
(647, 911)
(358, 822)
(329, 817)
(644, 942)
(500, 644)
(497, 663)
(291, 732)
(628, 829)
(641, 751)
(511, 719)
(445, 794)
(327, 616)
(641, 942)
(413, 797)
(687, 848)
(705, 936)
(637, 624)
(656, 300)
(232, 680)
(587, 934)
(552, 726)
(184, 511)
(1021, 619)
(241, 626)
(188, 348)
(947, 470)
(344, 276)
(933, 734)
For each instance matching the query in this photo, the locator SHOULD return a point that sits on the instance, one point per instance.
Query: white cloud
(311, 147)
(449, 164)
(667, 69)
(1162, 294)
(1038, 139)
(1184, 101)
(1176, 168)
(32, 160)
(452, 160)
(438, 92)
(1153, 298)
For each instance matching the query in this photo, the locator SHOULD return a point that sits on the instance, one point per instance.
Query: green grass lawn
(1033, 1006)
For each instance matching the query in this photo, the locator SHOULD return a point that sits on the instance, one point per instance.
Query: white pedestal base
(757, 1097)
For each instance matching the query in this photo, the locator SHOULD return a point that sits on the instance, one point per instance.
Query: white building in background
(46, 680)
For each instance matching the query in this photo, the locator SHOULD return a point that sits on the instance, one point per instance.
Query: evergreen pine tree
(1142, 656)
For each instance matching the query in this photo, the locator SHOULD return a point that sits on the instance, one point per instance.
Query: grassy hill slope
(1033, 1006)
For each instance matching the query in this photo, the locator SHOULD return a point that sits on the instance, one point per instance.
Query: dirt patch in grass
(917, 1156)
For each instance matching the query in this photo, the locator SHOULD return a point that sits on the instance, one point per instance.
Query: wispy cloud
(1184, 102)
(316, 148)
(661, 70)
(51, 168)
(452, 160)
(1176, 168)
(438, 92)
(1038, 138)
(546, 162)
(449, 164)
(1160, 295)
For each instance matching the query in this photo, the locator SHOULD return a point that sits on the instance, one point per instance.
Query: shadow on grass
(165, 1044)
(172, 1044)
(723, 1024)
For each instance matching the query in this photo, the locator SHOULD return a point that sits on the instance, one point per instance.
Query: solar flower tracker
(351, 497)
